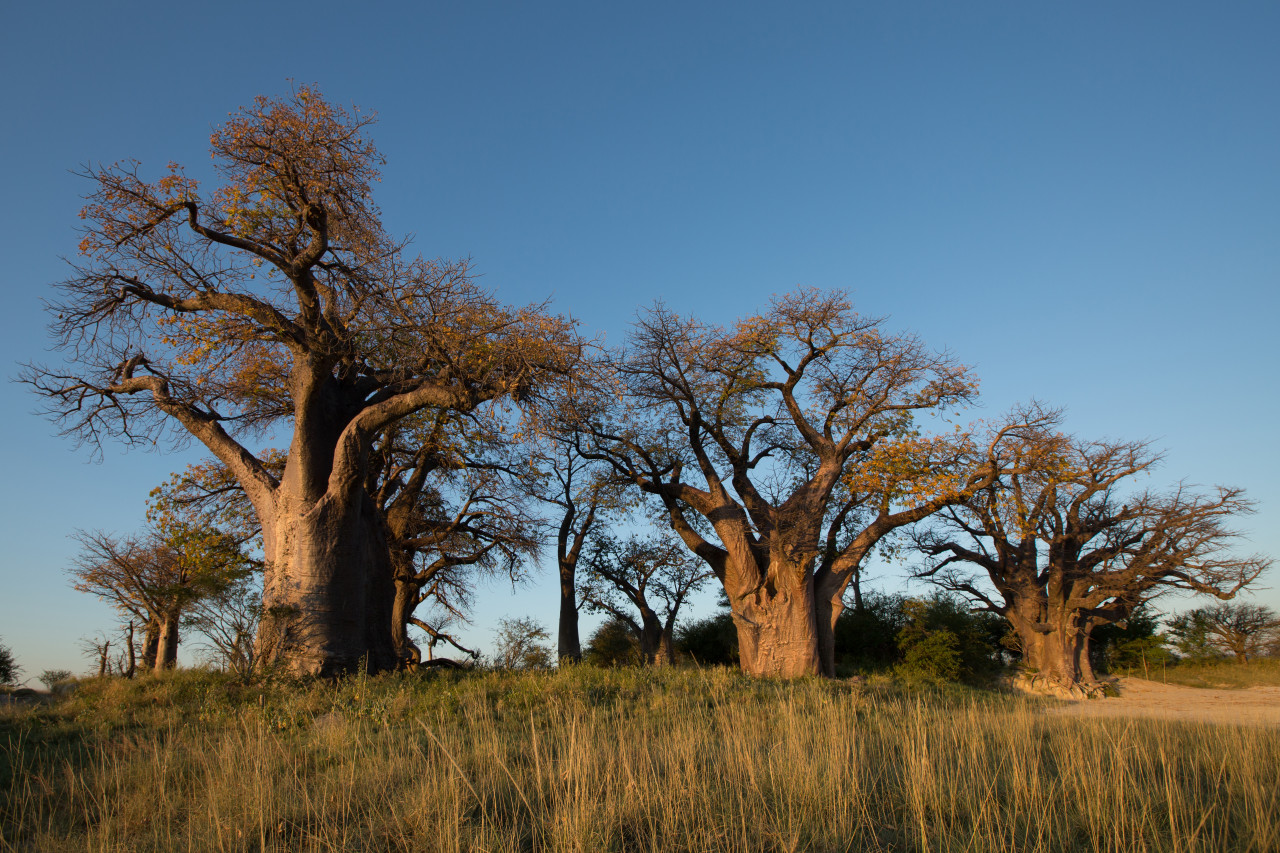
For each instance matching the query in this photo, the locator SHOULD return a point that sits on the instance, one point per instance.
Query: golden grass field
(611, 760)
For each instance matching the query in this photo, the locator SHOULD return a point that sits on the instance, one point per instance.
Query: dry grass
(591, 760)
(1219, 675)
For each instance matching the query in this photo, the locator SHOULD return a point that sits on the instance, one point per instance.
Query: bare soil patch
(1141, 698)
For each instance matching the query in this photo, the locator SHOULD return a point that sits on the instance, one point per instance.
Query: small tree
(612, 644)
(451, 516)
(521, 644)
(9, 668)
(580, 494)
(98, 649)
(157, 577)
(643, 584)
(1243, 630)
(50, 678)
(227, 622)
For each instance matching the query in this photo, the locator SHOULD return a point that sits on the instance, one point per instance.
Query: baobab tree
(580, 494)
(155, 579)
(1243, 630)
(798, 427)
(1067, 549)
(450, 514)
(643, 583)
(278, 302)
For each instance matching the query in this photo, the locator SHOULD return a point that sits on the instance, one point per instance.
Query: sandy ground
(1139, 698)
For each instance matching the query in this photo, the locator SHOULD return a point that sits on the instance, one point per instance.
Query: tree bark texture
(151, 644)
(1055, 650)
(328, 590)
(166, 654)
(778, 632)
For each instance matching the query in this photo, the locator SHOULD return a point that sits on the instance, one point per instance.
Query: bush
(9, 668)
(866, 639)
(612, 644)
(944, 640)
(1131, 645)
(521, 644)
(932, 656)
(711, 641)
(50, 678)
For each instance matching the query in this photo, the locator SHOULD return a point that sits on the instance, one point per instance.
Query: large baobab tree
(277, 301)
(1067, 549)
(797, 427)
(1236, 628)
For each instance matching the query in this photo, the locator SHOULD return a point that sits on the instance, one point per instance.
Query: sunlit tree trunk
(778, 631)
(328, 590)
(166, 656)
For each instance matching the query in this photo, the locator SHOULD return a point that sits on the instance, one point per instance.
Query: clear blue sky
(1082, 200)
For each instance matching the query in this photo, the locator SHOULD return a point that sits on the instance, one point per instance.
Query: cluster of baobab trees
(427, 424)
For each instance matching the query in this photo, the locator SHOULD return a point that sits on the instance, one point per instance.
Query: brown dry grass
(590, 760)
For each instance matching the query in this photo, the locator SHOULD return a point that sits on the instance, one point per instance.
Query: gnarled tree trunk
(403, 604)
(1055, 651)
(777, 632)
(166, 653)
(328, 589)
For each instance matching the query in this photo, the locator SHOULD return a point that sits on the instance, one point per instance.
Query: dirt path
(1139, 698)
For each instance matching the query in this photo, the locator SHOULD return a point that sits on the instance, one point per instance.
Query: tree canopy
(278, 301)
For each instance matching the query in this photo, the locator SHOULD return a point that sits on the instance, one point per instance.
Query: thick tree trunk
(568, 640)
(150, 644)
(650, 637)
(666, 649)
(778, 632)
(1057, 659)
(328, 590)
(402, 607)
(166, 654)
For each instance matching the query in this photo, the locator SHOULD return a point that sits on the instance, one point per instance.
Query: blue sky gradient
(1082, 200)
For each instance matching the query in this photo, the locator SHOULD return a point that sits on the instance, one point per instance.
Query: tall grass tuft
(616, 760)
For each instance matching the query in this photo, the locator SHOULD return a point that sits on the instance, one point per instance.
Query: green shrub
(709, 642)
(866, 638)
(943, 640)
(9, 668)
(612, 644)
